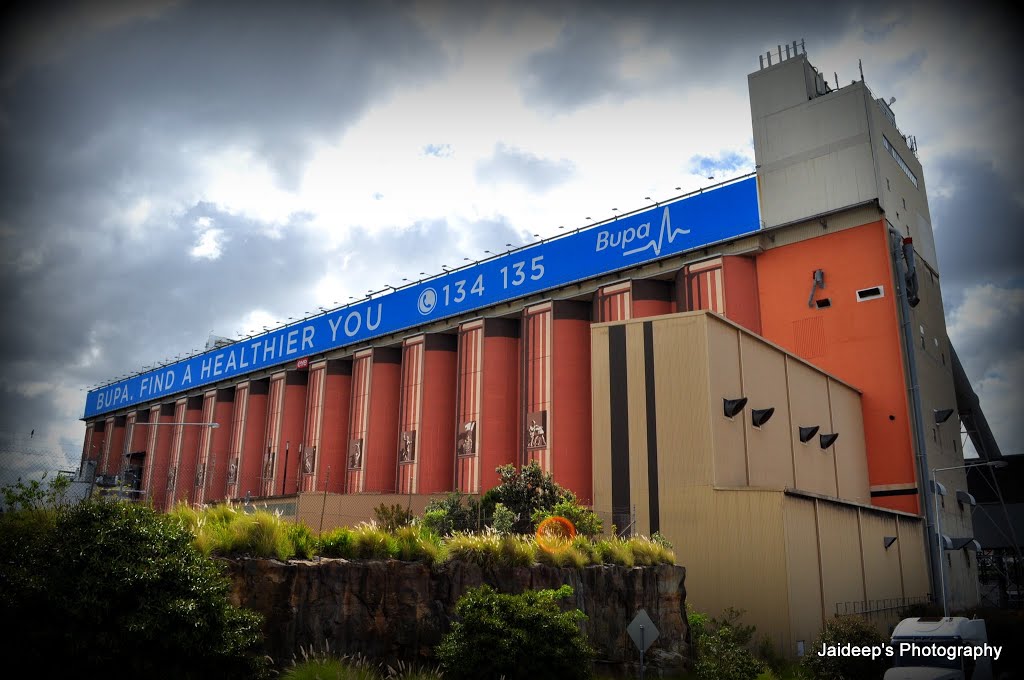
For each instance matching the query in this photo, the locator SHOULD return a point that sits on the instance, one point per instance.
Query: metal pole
(284, 477)
(914, 389)
(323, 506)
(939, 546)
(641, 652)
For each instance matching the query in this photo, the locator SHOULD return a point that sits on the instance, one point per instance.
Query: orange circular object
(555, 533)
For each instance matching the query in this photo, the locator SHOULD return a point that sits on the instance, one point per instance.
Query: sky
(172, 170)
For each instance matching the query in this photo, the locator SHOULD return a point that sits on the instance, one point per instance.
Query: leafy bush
(504, 519)
(35, 494)
(584, 519)
(111, 585)
(391, 517)
(658, 538)
(720, 647)
(515, 636)
(524, 492)
(840, 630)
(455, 512)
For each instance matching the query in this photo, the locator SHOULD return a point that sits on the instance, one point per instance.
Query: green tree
(113, 588)
(517, 637)
(524, 492)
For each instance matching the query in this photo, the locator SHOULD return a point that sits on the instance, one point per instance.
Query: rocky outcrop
(400, 610)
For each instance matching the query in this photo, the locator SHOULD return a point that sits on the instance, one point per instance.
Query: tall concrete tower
(832, 153)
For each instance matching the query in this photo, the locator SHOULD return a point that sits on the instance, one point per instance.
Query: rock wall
(400, 610)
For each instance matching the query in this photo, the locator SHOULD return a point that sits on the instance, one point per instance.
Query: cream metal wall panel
(682, 385)
(733, 546)
(636, 388)
(881, 566)
(912, 556)
(815, 468)
(842, 576)
(600, 426)
(727, 382)
(803, 571)
(770, 447)
(849, 451)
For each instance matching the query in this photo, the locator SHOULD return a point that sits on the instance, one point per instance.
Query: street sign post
(644, 633)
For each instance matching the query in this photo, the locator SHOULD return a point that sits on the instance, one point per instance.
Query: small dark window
(823, 303)
(870, 293)
(943, 358)
(904, 203)
(935, 435)
(887, 184)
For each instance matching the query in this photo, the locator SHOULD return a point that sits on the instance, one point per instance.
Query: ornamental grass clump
(338, 542)
(614, 551)
(418, 544)
(490, 549)
(370, 542)
(649, 553)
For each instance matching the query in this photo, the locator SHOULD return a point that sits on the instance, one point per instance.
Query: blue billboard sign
(692, 222)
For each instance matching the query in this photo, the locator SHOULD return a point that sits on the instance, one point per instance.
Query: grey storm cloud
(509, 164)
(979, 225)
(707, 43)
(259, 74)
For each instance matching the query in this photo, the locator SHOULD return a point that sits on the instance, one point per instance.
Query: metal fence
(26, 461)
(884, 614)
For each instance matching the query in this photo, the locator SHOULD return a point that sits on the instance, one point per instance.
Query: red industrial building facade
(438, 406)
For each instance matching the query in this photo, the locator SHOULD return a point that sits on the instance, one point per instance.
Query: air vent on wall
(873, 293)
(823, 303)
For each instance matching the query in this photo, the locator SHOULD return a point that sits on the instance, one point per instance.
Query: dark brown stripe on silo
(619, 425)
(652, 428)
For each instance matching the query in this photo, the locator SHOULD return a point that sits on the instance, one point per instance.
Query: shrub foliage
(113, 588)
(840, 630)
(515, 637)
(721, 647)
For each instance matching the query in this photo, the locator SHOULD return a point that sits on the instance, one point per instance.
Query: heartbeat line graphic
(666, 228)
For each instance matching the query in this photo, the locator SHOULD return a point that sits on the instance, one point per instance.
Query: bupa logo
(636, 239)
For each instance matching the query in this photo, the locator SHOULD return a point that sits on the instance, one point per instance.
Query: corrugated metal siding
(733, 546)
(727, 383)
(842, 576)
(770, 447)
(912, 557)
(849, 450)
(808, 390)
(881, 565)
(682, 384)
(806, 612)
